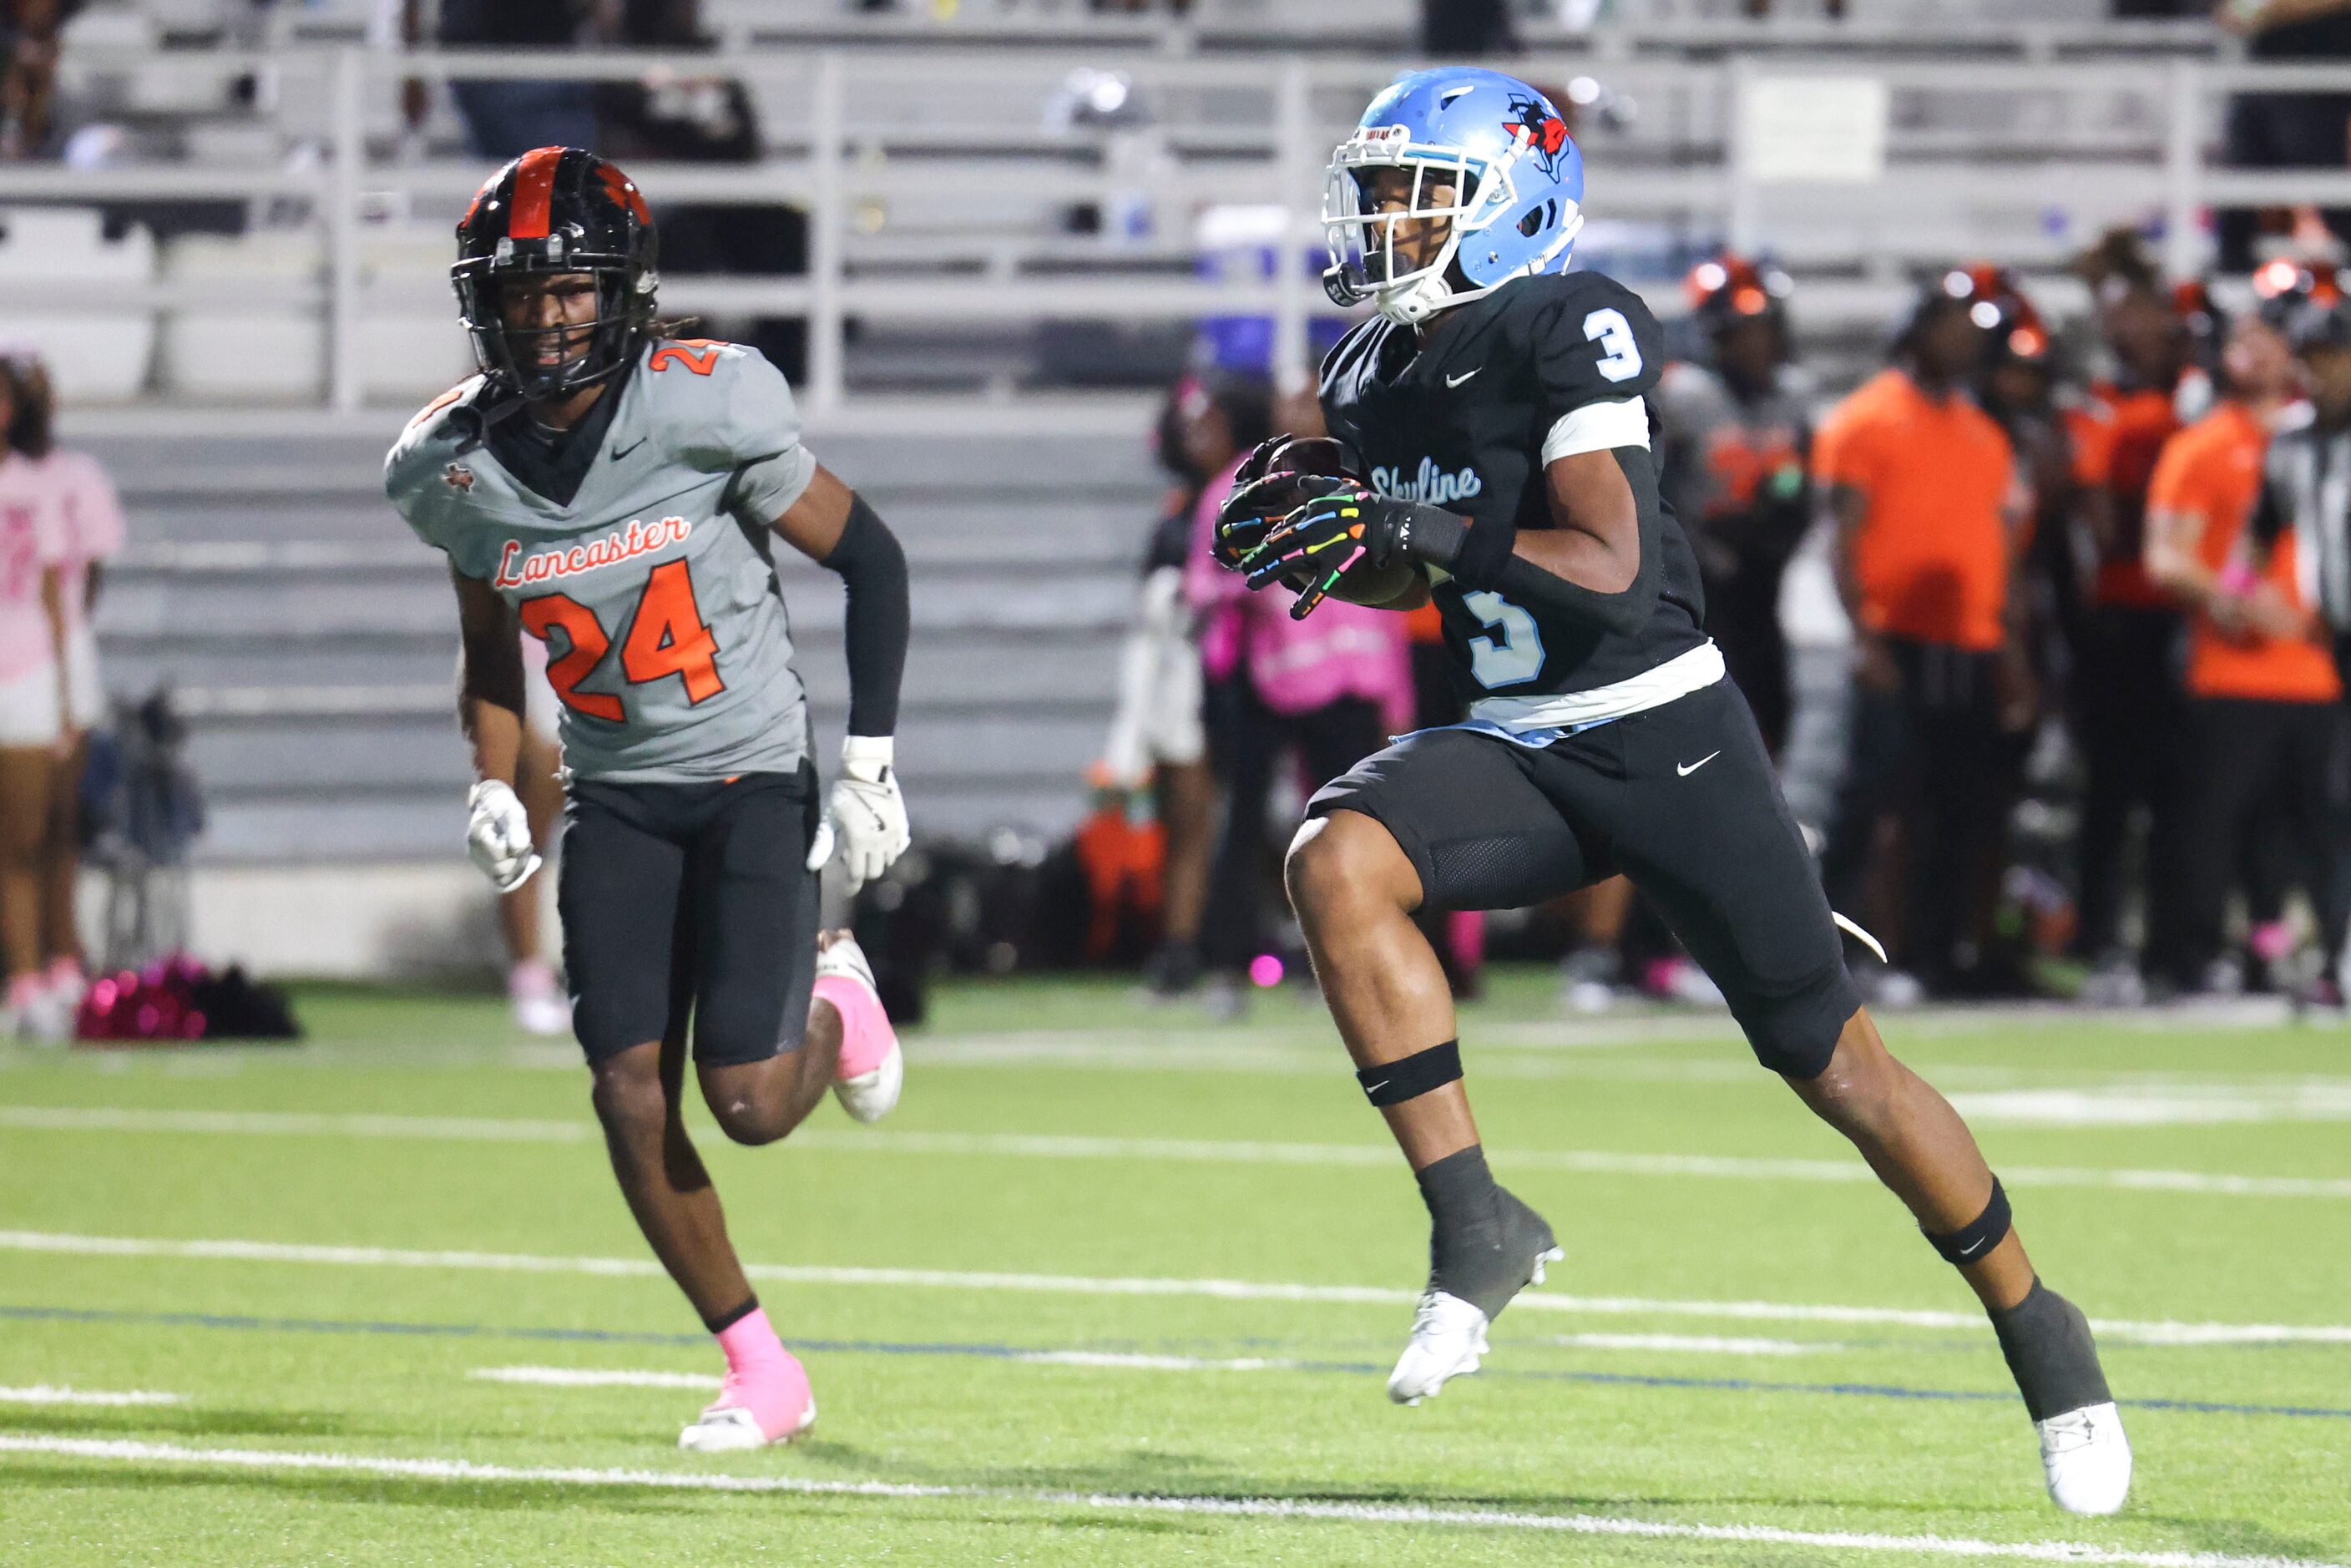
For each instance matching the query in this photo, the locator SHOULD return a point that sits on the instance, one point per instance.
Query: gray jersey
(654, 590)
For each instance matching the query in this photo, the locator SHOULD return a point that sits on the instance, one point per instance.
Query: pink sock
(866, 1036)
(2271, 940)
(762, 1377)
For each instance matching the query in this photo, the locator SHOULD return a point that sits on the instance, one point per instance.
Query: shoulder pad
(424, 445)
(1589, 339)
(718, 405)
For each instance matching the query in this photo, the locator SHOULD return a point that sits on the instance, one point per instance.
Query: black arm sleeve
(1625, 612)
(873, 569)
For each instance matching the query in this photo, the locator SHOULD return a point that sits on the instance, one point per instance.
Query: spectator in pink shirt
(87, 516)
(34, 733)
(1328, 691)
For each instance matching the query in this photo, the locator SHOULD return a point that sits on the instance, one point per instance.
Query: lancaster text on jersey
(639, 539)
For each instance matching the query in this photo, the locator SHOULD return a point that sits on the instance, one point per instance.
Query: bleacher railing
(884, 129)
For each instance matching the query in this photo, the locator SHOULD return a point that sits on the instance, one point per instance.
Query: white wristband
(877, 750)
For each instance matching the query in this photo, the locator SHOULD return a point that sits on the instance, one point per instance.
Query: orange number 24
(666, 637)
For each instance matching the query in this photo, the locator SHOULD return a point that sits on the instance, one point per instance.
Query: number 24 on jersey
(666, 637)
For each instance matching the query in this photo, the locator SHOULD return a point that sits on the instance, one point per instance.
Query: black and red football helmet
(556, 210)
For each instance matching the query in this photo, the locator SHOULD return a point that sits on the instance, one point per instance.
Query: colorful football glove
(1349, 522)
(1281, 475)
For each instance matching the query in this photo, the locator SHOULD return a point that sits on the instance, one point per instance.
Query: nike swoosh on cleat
(1456, 380)
(1685, 769)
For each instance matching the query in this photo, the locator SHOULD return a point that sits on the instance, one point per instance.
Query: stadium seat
(100, 355)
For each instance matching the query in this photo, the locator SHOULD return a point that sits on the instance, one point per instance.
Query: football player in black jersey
(1494, 417)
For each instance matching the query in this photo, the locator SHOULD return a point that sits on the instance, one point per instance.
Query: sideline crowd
(2044, 625)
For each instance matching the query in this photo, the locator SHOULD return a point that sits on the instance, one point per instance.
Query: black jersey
(1460, 423)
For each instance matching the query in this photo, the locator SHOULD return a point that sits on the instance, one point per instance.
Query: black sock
(1482, 1243)
(728, 1320)
(2051, 1354)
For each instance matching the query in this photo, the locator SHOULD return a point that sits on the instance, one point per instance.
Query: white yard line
(2144, 1332)
(1713, 1344)
(1142, 1361)
(46, 1394)
(1062, 1146)
(467, 1471)
(594, 1378)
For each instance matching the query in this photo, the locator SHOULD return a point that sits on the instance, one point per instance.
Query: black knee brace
(1409, 1077)
(1971, 1242)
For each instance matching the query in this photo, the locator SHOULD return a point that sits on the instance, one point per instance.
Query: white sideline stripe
(46, 1394)
(2144, 1332)
(464, 1471)
(1082, 1147)
(588, 1377)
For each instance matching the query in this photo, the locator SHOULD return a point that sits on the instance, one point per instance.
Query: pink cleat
(765, 1398)
(873, 1070)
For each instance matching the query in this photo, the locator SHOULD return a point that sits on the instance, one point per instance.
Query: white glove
(498, 835)
(866, 816)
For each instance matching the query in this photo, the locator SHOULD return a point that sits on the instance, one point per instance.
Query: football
(1327, 457)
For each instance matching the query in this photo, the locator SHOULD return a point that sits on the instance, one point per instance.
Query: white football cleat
(730, 1429)
(2086, 1459)
(1448, 1337)
(872, 1092)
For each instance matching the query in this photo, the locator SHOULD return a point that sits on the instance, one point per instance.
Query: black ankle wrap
(2051, 1354)
(1409, 1077)
(1972, 1241)
(1482, 1243)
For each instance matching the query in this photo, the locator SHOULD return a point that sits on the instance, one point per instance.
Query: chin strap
(480, 419)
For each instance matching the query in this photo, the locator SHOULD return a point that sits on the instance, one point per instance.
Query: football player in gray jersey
(618, 494)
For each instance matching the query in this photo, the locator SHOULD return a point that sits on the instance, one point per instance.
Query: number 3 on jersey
(666, 637)
(1620, 356)
(1514, 655)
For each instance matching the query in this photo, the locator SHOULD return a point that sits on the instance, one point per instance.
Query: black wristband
(1428, 536)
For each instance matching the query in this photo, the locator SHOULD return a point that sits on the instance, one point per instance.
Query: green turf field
(1122, 1286)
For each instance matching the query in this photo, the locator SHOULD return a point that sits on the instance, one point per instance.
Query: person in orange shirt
(2126, 706)
(2263, 718)
(1930, 518)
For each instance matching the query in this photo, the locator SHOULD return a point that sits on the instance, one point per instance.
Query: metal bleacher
(311, 638)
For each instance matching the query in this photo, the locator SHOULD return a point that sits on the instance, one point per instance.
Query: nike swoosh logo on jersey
(1456, 380)
(1685, 768)
(620, 452)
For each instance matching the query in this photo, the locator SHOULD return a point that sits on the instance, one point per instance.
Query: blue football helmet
(1490, 159)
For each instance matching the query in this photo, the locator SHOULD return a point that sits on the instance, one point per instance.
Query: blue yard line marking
(1015, 1353)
